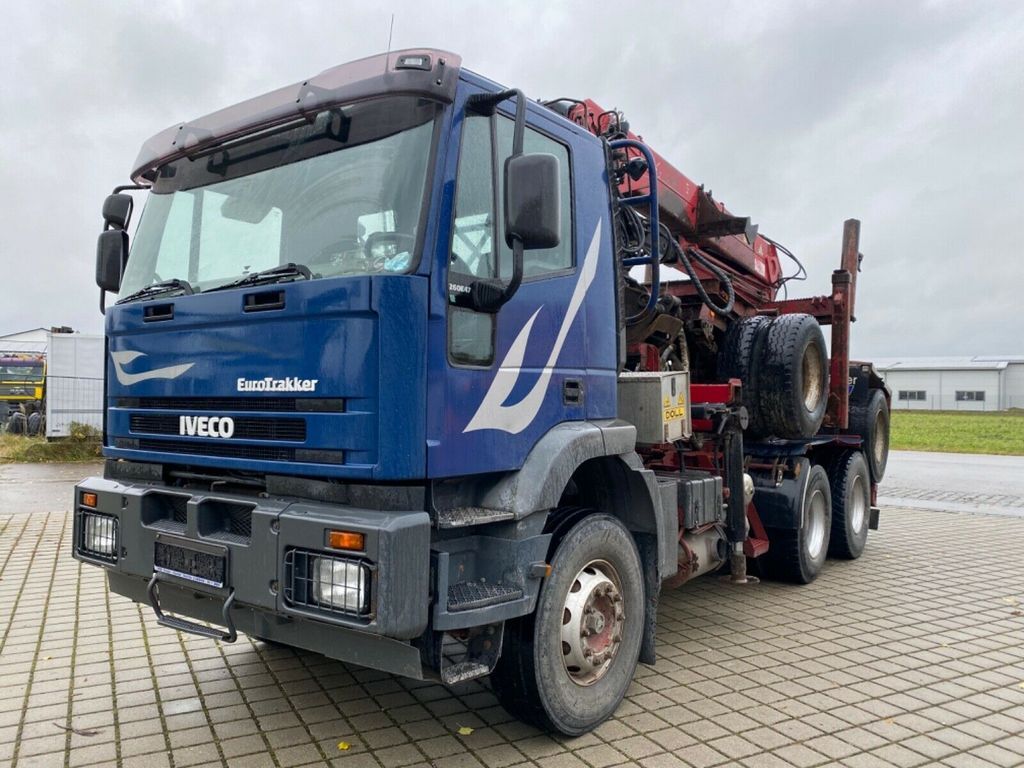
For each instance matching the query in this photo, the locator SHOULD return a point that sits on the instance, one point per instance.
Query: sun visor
(422, 72)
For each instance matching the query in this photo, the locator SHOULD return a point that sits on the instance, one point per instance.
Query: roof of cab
(425, 72)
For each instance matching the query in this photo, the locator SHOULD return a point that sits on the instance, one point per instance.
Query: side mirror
(117, 210)
(111, 254)
(533, 201)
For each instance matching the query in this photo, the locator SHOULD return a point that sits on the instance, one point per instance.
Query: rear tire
(851, 505)
(870, 420)
(793, 378)
(545, 675)
(798, 556)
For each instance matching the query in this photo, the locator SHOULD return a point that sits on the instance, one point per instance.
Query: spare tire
(870, 420)
(34, 422)
(735, 359)
(792, 378)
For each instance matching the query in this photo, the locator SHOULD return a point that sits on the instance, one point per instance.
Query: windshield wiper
(272, 275)
(164, 286)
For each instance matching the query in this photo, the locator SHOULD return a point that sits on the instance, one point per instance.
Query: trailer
(396, 373)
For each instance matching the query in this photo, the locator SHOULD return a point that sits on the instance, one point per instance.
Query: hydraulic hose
(683, 256)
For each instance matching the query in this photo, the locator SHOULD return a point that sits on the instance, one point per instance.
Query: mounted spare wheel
(792, 378)
(567, 666)
(740, 348)
(870, 420)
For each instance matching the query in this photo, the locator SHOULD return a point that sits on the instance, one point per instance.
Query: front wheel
(567, 667)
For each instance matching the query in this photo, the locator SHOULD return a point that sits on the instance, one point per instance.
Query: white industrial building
(980, 383)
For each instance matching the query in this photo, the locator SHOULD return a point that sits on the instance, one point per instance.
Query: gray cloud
(905, 115)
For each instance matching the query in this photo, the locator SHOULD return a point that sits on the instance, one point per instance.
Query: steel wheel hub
(815, 522)
(592, 621)
(858, 513)
(812, 376)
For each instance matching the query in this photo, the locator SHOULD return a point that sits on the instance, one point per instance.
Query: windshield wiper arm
(164, 286)
(272, 275)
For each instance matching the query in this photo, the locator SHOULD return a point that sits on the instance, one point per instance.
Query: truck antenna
(391, 29)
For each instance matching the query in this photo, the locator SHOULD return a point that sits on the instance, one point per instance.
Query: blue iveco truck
(410, 371)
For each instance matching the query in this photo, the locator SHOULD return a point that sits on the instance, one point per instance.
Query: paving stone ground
(912, 655)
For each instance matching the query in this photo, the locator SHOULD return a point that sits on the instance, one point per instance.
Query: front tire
(567, 666)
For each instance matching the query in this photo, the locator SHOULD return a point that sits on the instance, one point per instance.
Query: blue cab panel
(362, 382)
(350, 341)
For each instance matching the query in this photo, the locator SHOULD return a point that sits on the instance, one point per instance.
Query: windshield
(341, 194)
(20, 372)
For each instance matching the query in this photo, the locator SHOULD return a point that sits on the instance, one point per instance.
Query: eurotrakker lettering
(270, 384)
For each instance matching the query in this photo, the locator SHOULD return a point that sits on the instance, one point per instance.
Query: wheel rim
(812, 376)
(858, 507)
(815, 524)
(878, 446)
(592, 622)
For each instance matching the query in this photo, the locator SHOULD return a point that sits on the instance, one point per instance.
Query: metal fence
(73, 400)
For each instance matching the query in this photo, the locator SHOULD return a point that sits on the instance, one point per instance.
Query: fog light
(99, 535)
(340, 584)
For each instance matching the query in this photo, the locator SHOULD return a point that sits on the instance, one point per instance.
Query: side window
(472, 243)
(471, 334)
(537, 262)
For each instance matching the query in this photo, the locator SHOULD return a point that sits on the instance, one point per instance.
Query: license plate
(203, 566)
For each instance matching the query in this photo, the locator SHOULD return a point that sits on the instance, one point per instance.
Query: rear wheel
(798, 556)
(851, 505)
(567, 666)
(870, 420)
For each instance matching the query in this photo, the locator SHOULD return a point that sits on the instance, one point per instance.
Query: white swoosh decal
(125, 357)
(492, 413)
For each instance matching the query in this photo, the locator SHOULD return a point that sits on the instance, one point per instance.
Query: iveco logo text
(291, 384)
(206, 426)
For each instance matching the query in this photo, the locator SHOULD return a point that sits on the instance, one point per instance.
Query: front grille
(246, 428)
(326, 583)
(232, 450)
(264, 452)
(283, 404)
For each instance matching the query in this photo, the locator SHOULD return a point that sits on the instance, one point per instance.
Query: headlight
(340, 584)
(98, 536)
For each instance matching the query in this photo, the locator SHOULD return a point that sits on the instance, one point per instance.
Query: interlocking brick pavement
(913, 655)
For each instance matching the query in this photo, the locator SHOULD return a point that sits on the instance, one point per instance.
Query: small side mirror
(533, 200)
(117, 210)
(111, 253)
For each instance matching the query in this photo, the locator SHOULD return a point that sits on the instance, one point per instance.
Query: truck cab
(364, 396)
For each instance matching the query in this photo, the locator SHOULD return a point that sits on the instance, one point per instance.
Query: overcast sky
(908, 116)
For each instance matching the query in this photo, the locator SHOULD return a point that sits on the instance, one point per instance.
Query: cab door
(511, 376)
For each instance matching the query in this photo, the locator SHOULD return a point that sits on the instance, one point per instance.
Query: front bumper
(262, 549)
